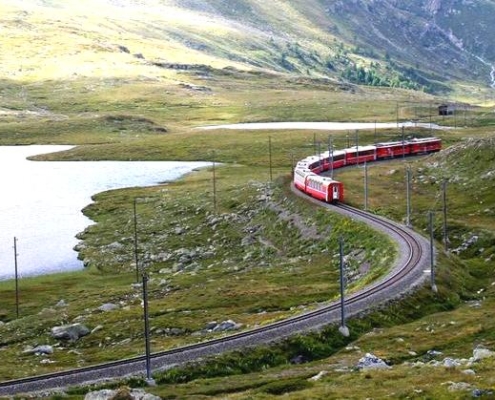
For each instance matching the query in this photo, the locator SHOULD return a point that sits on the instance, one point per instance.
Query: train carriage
(339, 159)
(312, 163)
(425, 145)
(324, 188)
(360, 154)
(392, 149)
(300, 176)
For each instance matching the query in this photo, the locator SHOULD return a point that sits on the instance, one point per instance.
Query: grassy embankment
(281, 271)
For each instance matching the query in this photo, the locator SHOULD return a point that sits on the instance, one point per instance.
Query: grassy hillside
(380, 43)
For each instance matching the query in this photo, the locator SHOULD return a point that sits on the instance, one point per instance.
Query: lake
(41, 203)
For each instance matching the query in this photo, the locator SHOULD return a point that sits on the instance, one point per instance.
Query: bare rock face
(433, 6)
(70, 332)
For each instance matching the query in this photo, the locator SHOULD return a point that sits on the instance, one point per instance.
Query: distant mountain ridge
(418, 44)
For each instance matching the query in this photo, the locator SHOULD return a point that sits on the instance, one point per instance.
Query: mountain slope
(417, 44)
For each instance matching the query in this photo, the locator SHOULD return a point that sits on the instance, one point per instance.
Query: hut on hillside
(446, 109)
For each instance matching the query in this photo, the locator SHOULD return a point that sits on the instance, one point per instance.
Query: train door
(335, 193)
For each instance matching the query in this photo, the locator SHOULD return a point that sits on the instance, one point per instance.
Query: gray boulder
(39, 350)
(108, 307)
(228, 325)
(69, 332)
(480, 353)
(370, 361)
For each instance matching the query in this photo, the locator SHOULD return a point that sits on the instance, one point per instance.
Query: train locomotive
(308, 171)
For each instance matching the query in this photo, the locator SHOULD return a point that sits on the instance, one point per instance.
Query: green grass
(289, 268)
(82, 90)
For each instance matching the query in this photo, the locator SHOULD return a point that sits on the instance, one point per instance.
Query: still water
(41, 203)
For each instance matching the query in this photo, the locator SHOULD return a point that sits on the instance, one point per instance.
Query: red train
(307, 172)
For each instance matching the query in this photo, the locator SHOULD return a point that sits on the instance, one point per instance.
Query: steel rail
(407, 272)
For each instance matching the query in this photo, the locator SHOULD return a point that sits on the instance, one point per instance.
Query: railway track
(407, 272)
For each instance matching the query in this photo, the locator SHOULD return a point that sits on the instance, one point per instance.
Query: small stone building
(446, 109)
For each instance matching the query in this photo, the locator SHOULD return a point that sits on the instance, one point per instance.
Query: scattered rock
(97, 328)
(39, 350)
(482, 393)
(431, 354)
(450, 363)
(228, 325)
(480, 353)
(211, 325)
(61, 304)
(370, 361)
(474, 303)
(123, 393)
(300, 359)
(123, 49)
(458, 386)
(108, 307)
(318, 376)
(468, 372)
(69, 332)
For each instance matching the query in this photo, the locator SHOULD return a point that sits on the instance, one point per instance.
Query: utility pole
(343, 329)
(319, 157)
(214, 185)
(375, 132)
(330, 155)
(149, 378)
(397, 112)
(455, 114)
(16, 279)
(432, 253)
(136, 260)
(270, 156)
(403, 144)
(444, 200)
(292, 163)
(365, 186)
(357, 147)
(430, 120)
(408, 196)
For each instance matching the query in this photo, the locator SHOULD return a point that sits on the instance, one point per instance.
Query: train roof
(422, 140)
(321, 178)
(303, 170)
(310, 159)
(359, 148)
(385, 144)
(336, 153)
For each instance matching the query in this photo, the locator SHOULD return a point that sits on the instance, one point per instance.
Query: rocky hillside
(418, 44)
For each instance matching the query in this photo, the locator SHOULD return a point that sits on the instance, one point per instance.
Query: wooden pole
(16, 279)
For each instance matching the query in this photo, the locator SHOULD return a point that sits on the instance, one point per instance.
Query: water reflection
(41, 203)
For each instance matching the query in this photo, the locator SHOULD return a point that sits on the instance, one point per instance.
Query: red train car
(360, 154)
(338, 158)
(392, 149)
(300, 175)
(425, 145)
(324, 188)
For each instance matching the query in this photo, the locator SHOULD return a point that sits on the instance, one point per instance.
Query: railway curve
(406, 273)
